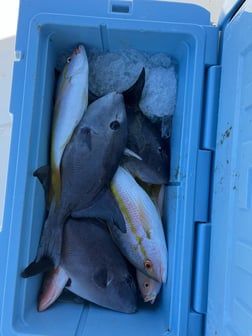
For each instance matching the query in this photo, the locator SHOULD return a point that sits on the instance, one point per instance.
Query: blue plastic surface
(230, 7)
(45, 29)
(230, 292)
(201, 274)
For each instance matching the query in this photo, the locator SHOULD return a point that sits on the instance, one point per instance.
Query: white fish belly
(144, 240)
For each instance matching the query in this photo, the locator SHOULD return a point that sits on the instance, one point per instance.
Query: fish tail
(49, 249)
(45, 264)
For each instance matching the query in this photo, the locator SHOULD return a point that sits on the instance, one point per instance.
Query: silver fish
(89, 162)
(144, 242)
(71, 102)
(156, 193)
(91, 267)
(149, 288)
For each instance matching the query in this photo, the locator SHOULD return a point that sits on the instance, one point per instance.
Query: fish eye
(69, 59)
(148, 264)
(114, 125)
(146, 284)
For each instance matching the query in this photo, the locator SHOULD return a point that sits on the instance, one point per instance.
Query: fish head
(111, 111)
(146, 141)
(154, 265)
(106, 123)
(106, 286)
(76, 63)
(106, 118)
(96, 269)
(118, 289)
(149, 288)
(94, 151)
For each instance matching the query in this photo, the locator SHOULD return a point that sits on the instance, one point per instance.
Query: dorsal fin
(133, 95)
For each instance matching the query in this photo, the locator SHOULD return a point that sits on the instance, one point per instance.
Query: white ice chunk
(113, 71)
(117, 71)
(159, 93)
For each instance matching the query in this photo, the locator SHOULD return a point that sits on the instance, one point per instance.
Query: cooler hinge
(207, 144)
(202, 203)
(197, 315)
(195, 324)
(201, 244)
(202, 197)
(201, 267)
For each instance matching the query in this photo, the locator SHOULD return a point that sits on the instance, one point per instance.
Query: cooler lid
(229, 8)
(230, 280)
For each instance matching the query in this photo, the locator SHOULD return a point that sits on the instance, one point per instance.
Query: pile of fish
(103, 237)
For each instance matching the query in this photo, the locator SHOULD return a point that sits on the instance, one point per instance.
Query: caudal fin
(43, 265)
(49, 249)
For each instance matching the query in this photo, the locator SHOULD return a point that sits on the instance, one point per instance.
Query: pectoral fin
(130, 153)
(105, 208)
(101, 277)
(43, 175)
(86, 136)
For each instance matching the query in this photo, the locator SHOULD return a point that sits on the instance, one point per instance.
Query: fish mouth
(77, 50)
(150, 298)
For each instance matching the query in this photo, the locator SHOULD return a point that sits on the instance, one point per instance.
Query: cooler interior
(50, 36)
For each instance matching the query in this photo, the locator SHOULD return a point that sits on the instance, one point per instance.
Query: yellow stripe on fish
(126, 213)
(144, 243)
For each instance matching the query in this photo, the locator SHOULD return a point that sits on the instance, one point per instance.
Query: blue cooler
(208, 207)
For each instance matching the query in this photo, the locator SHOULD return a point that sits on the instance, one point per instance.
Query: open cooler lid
(230, 295)
(229, 8)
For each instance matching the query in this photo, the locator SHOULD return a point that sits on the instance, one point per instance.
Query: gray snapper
(88, 164)
(91, 267)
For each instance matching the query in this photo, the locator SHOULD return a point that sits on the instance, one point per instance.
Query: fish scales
(89, 162)
(94, 266)
(144, 243)
(71, 103)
